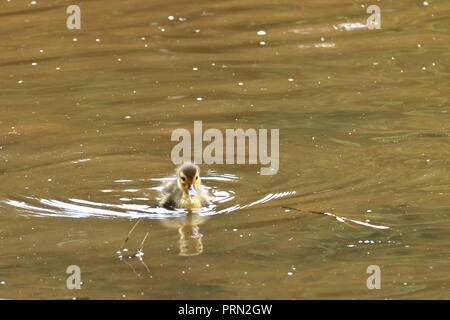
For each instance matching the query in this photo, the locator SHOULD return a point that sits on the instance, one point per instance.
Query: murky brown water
(364, 124)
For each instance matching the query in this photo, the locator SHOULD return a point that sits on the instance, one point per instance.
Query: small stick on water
(129, 235)
(141, 253)
(145, 265)
(132, 268)
(143, 241)
(340, 219)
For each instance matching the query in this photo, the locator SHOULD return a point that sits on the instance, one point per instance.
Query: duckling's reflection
(191, 240)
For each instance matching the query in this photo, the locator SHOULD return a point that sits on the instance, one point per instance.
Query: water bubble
(139, 254)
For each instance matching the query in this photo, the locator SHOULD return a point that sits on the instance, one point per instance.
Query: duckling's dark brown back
(170, 195)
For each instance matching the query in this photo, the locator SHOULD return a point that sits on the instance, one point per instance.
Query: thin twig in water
(143, 241)
(129, 235)
(145, 265)
(132, 268)
(341, 219)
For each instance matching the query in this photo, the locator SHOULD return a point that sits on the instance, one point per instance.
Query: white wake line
(80, 208)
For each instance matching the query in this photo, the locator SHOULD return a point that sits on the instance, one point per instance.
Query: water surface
(86, 118)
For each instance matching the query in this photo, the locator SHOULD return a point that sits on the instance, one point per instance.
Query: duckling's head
(188, 177)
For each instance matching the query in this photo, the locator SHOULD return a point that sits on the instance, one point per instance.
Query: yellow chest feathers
(187, 202)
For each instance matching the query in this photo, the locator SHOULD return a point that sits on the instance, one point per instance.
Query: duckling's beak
(191, 190)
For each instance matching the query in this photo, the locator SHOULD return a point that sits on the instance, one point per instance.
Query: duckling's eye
(196, 178)
(183, 178)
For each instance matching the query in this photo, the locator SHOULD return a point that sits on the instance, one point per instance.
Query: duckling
(184, 192)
